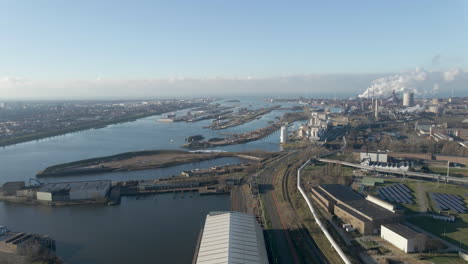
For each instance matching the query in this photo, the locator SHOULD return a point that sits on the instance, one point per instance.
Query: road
(406, 173)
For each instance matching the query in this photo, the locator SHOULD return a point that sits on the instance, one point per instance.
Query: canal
(155, 229)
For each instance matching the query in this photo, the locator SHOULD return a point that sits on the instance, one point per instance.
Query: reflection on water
(154, 229)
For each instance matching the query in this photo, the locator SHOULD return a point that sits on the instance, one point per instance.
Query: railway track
(315, 253)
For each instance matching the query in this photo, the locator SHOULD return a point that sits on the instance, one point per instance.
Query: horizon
(62, 49)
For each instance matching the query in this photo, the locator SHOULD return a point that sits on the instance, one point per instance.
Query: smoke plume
(384, 87)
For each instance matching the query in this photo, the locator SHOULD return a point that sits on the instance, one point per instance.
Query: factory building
(366, 216)
(24, 244)
(231, 237)
(408, 99)
(10, 188)
(373, 156)
(317, 127)
(73, 191)
(403, 237)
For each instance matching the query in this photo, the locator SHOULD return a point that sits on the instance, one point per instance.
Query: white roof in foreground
(232, 237)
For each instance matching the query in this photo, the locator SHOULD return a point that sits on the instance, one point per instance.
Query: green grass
(454, 172)
(444, 259)
(428, 186)
(452, 232)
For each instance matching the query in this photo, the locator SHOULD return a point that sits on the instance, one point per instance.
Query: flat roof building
(231, 237)
(69, 191)
(403, 237)
(366, 216)
(10, 188)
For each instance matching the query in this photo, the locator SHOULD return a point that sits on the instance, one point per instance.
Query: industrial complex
(71, 191)
(365, 215)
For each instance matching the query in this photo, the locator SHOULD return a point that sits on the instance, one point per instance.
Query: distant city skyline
(86, 49)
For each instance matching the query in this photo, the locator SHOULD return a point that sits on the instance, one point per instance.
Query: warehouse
(231, 237)
(10, 188)
(72, 191)
(366, 216)
(403, 238)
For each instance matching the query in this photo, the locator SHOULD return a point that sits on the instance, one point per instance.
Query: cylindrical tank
(435, 101)
(284, 134)
(408, 99)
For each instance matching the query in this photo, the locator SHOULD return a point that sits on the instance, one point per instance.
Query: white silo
(408, 99)
(284, 134)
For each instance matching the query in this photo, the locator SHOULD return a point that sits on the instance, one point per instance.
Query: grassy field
(454, 172)
(444, 259)
(453, 232)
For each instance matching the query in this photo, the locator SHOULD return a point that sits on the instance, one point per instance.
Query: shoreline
(83, 127)
(140, 160)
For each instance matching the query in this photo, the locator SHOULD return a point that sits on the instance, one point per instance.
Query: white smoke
(451, 74)
(384, 87)
(435, 88)
(415, 109)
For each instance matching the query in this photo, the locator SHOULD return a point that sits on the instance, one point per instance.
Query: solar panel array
(397, 192)
(445, 201)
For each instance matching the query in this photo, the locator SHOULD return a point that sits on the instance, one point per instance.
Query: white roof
(232, 237)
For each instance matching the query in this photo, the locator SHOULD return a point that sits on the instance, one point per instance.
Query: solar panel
(448, 202)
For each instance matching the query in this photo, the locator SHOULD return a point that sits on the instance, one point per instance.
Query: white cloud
(8, 80)
(323, 85)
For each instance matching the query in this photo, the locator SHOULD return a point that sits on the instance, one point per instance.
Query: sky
(92, 48)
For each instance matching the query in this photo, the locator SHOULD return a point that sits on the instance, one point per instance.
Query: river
(156, 229)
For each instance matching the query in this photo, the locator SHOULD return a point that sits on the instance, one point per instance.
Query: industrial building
(366, 216)
(72, 191)
(231, 237)
(403, 237)
(10, 188)
(318, 125)
(373, 156)
(24, 244)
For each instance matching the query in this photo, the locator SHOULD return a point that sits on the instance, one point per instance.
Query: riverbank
(141, 160)
(254, 135)
(244, 116)
(81, 127)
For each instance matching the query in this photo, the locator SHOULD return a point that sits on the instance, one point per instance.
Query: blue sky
(90, 48)
(140, 39)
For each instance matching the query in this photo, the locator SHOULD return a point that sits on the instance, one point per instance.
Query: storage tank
(284, 134)
(408, 99)
(435, 101)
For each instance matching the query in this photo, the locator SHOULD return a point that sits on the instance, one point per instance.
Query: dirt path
(421, 197)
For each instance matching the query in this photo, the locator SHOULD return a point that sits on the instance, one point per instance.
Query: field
(454, 172)
(457, 232)
(445, 259)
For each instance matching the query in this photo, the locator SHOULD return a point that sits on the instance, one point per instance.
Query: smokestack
(376, 113)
